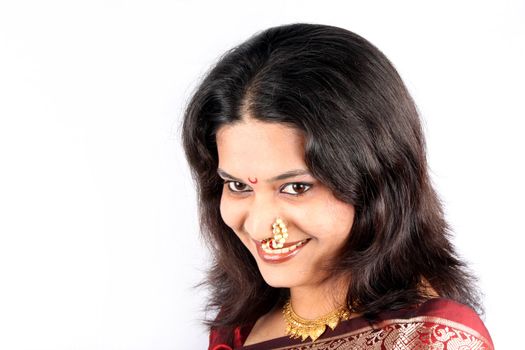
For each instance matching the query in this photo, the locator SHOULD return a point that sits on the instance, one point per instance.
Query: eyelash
(307, 185)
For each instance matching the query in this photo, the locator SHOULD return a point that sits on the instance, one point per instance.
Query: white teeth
(277, 248)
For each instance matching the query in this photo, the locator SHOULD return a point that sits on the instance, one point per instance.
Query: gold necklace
(298, 327)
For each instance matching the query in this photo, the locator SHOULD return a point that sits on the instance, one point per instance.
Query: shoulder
(453, 313)
(228, 338)
(441, 322)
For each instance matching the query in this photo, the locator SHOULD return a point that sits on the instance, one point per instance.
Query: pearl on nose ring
(280, 234)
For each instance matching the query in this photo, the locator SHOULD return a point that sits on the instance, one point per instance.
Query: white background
(99, 245)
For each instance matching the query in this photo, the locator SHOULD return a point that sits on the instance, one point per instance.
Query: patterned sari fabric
(436, 324)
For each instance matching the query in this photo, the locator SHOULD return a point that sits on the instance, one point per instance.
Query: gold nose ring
(280, 233)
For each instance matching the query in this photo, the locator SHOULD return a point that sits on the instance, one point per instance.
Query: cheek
(347, 213)
(230, 213)
(233, 215)
(344, 222)
(334, 224)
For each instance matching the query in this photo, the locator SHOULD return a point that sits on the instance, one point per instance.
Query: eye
(236, 186)
(296, 188)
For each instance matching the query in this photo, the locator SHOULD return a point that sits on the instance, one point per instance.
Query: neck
(314, 301)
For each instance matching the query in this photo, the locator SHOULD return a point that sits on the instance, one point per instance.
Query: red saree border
(431, 314)
(386, 323)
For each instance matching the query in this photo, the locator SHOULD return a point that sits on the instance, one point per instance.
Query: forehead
(255, 148)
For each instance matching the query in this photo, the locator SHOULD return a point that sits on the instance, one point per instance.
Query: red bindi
(253, 181)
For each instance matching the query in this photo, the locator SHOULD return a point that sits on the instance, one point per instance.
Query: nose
(260, 217)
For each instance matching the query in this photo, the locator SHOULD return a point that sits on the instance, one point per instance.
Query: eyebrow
(286, 175)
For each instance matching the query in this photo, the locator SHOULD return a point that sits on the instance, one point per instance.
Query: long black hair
(363, 140)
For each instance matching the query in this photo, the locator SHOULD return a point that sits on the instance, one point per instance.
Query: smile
(272, 255)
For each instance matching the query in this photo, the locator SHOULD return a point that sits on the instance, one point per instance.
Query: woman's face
(266, 177)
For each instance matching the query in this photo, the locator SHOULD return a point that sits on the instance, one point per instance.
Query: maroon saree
(436, 324)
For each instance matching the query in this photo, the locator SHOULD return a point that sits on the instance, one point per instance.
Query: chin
(279, 278)
(278, 283)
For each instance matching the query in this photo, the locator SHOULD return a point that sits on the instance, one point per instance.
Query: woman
(314, 195)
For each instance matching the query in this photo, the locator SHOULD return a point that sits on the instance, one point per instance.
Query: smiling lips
(271, 255)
